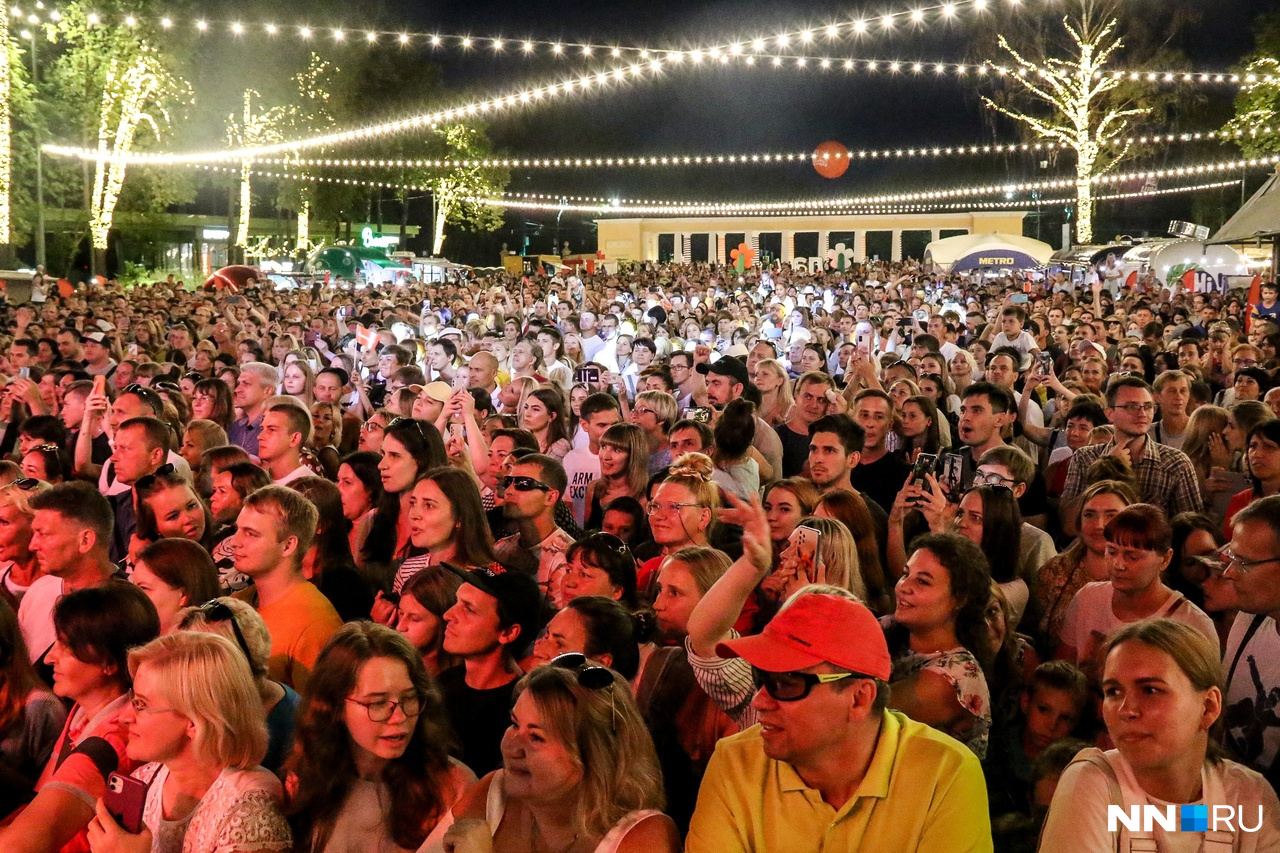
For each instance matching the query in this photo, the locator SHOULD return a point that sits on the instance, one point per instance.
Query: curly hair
(322, 759)
(970, 587)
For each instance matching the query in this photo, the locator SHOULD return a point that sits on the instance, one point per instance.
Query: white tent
(994, 252)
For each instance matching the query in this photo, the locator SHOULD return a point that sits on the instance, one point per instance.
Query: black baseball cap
(729, 366)
(519, 599)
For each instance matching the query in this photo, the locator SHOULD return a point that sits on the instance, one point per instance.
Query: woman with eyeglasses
(18, 564)
(624, 471)
(579, 773)
(681, 511)
(211, 401)
(197, 731)
(360, 484)
(409, 447)
(94, 628)
(1163, 694)
(1139, 548)
(373, 431)
(238, 622)
(371, 767)
(174, 574)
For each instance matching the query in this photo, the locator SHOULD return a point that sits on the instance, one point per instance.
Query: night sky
(745, 110)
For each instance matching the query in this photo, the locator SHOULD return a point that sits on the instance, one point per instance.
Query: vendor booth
(995, 254)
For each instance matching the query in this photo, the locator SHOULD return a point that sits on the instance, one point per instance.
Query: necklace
(539, 841)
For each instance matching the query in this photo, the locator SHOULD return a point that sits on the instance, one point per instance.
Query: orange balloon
(831, 159)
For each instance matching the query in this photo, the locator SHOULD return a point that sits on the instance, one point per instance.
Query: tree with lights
(1087, 113)
(251, 129)
(455, 191)
(1258, 103)
(310, 114)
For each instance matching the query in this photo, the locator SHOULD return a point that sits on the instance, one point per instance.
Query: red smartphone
(124, 799)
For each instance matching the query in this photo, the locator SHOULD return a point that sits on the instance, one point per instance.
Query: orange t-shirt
(300, 624)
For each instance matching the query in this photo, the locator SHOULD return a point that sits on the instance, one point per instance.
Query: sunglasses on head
(417, 423)
(148, 481)
(26, 483)
(218, 611)
(590, 676)
(523, 484)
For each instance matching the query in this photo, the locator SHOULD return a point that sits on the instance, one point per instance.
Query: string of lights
(673, 160)
(619, 206)
(797, 36)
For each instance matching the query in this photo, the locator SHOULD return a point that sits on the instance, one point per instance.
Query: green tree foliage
(1257, 116)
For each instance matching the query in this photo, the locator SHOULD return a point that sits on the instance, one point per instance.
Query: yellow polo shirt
(923, 791)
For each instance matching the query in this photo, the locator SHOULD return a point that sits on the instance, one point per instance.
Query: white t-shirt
(1090, 618)
(1024, 343)
(296, 474)
(581, 466)
(1250, 706)
(35, 614)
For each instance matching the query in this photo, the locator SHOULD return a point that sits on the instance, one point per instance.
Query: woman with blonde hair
(624, 471)
(776, 397)
(512, 396)
(579, 772)
(18, 564)
(1162, 697)
(1204, 444)
(237, 621)
(682, 509)
(326, 436)
(195, 719)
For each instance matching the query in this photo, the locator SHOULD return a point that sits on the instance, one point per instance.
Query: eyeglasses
(48, 448)
(148, 481)
(380, 711)
(992, 479)
(1230, 559)
(140, 708)
(640, 410)
(1137, 408)
(523, 484)
(664, 507)
(218, 611)
(593, 677)
(26, 483)
(794, 686)
(371, 426)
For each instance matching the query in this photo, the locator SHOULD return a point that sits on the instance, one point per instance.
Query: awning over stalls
(987, 251)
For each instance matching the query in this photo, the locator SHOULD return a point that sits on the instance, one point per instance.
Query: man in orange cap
(829, 767)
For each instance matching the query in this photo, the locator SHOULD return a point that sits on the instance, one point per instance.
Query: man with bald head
(484, 374)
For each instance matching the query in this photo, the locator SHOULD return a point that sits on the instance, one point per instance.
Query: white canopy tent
(989, 252)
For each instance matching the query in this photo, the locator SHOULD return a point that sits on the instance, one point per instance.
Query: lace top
(240, 813)
(960, 668)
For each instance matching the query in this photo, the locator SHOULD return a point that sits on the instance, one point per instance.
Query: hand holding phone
(124, 800)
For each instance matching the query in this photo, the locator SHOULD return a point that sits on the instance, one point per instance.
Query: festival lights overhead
(673, 160)
(647, 207)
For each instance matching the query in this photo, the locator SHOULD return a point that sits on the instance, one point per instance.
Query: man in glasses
(1251, 563)
(829, 766)
(1163, 475)
(529, 498)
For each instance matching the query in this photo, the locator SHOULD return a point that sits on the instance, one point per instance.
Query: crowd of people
(664, 558)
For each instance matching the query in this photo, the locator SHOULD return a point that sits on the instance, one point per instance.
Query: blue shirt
(244, 434)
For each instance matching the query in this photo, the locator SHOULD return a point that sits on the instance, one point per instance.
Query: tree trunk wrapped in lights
(1088, 116)
(132, 98)
(6, 139)
(456, 189)
(252, 129)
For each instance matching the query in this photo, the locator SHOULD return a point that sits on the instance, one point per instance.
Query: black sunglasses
(218, 611)
(26, 483)
(794, 686)
(523, 484)
(592, 677)
(148, 481)
(396, 421)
